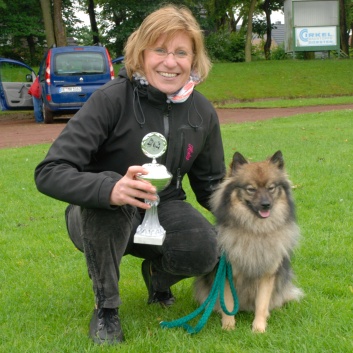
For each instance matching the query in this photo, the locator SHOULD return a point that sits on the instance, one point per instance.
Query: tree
(350, 19)
(121, 18)
(220, 13)
(22, 33)
(59, 26)
(92, 18)
(268, 6)
(248, 41)
(344, 34)
(48, 22)
(55, 29)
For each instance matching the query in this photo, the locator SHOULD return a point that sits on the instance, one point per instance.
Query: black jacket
(106, 133)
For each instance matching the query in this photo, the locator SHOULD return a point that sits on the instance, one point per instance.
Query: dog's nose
(265, 205)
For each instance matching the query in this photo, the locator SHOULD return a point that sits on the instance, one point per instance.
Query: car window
(15, 81)
(79, 63)
(14, 73)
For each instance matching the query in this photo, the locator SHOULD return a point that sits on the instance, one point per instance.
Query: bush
(278, 53)
(226, 47)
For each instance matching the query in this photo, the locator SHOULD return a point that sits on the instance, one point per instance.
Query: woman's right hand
(130, 190)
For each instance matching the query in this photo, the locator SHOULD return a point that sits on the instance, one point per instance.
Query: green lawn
(46, 297)
(286, 79)
(283, 83)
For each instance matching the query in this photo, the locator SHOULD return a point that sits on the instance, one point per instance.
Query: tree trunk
(248, 44)
(92, 18)
(234, 22)
(48, 22)
(32, 48)
(343, 28)
(267, 46)
(59, 26)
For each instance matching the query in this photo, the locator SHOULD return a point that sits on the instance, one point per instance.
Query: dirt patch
(19, 129)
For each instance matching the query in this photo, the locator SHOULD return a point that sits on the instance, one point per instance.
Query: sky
(277, 16)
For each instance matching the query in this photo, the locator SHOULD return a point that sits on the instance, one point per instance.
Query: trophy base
(151, 239)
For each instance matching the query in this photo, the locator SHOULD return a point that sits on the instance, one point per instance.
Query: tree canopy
(28, 30)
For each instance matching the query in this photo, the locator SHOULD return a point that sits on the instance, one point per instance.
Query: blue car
(15, 80)
(118, 60)
(69, 75)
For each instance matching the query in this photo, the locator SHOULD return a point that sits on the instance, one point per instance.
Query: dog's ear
(237, 161)
(277, 159)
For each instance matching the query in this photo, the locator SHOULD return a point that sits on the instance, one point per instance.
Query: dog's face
(260, 185)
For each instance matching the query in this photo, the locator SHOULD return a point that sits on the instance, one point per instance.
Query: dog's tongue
(264, 214)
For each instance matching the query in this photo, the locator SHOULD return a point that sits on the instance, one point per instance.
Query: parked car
(118, 60)
(15, 80)
(69, 75)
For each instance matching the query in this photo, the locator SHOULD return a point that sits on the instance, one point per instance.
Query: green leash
(224, 271)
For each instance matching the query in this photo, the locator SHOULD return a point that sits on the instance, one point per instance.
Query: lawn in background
(278, 83)
(46, 297)
(286, 79)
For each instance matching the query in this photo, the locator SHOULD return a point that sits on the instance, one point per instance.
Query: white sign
(315, 36)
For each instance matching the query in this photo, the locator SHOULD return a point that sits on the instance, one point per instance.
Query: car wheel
(47, 115)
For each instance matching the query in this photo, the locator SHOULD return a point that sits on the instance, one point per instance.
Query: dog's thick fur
(257, 230)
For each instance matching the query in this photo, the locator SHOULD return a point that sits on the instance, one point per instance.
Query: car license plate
(70, 89)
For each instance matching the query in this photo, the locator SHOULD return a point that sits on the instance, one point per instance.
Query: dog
(257, 231)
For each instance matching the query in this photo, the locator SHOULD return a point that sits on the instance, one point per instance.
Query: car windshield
(79, 63)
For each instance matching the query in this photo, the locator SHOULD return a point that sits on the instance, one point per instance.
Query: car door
(15, 80)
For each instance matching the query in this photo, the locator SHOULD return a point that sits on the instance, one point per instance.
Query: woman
(94, 163)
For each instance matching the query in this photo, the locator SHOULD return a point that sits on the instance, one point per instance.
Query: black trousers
(105, 236)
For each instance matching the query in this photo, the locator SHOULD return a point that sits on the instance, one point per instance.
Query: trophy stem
(150, 231)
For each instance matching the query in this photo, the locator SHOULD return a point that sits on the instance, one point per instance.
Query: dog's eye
(272, 188)
(250, 190)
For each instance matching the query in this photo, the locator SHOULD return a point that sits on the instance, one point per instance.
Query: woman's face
(167, 65)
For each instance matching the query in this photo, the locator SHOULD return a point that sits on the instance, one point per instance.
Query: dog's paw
(259, 325)
(228, 323)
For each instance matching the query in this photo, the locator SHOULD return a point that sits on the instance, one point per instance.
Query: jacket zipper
(166, 121)
(179, 177)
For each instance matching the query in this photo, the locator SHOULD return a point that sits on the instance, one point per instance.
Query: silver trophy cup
(150, 231)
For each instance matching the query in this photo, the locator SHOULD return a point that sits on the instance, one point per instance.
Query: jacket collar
(154, 96)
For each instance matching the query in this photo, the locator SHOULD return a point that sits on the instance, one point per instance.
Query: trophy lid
(154, 145)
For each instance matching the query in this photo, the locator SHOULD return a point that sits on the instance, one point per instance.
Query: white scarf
(180, 96)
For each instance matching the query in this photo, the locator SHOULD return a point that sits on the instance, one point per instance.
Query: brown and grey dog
(257, 230)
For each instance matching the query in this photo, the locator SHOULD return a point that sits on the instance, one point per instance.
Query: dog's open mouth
(264, 213)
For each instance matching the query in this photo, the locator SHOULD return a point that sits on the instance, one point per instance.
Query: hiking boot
(105, 326)
(165, 299)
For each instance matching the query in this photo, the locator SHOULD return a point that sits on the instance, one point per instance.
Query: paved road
(19, 129)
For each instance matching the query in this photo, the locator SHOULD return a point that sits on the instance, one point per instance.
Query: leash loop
(224, 271)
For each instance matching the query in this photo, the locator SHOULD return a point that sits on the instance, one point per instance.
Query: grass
(279, 81)
(46, 297)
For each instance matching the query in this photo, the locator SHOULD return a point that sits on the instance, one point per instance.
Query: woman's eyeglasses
(179, 54)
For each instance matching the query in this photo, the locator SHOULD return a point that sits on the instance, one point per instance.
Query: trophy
(153, 145)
